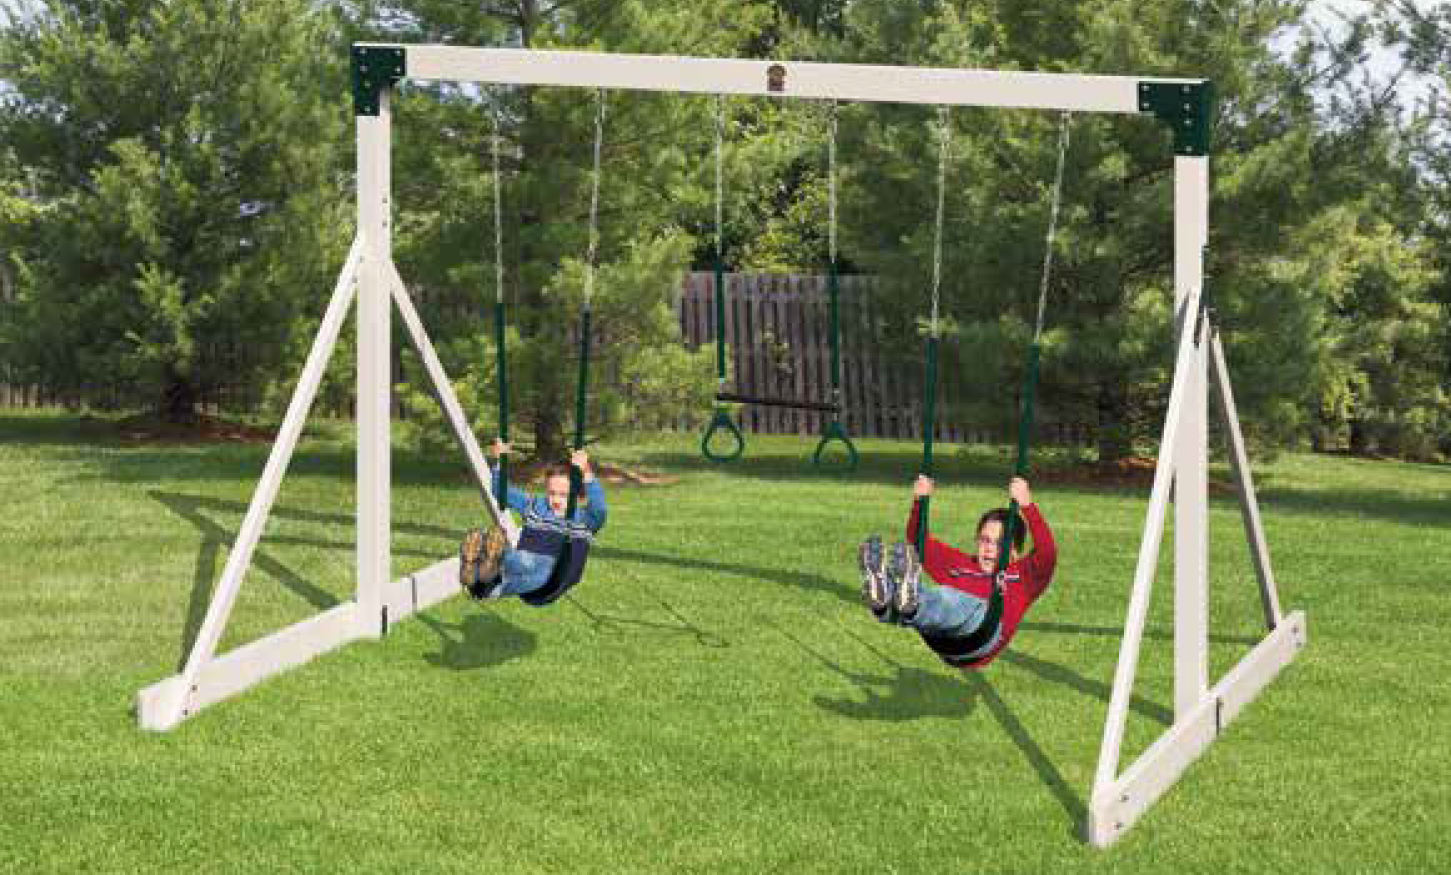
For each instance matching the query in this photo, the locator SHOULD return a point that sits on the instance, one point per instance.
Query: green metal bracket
(375, 68)
(1186, 107)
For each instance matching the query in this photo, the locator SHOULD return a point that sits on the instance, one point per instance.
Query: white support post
(1128, 658)
(452, 410)
(1249, 505)
(375, 348)
(1191, 449)
(165, 704)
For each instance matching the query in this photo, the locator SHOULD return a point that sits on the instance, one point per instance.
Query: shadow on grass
(799, 579)
(1118, 632)
(601, 621)
(910, 693)
(1052, 778)
(1384, 504)
(194, 509)
(480, 640)
(907, 693)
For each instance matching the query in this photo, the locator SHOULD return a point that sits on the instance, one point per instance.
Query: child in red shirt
(951, 616)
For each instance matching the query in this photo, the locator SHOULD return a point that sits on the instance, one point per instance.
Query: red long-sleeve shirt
(1026, 578)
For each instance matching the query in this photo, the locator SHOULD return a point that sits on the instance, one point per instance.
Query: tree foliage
(185, 155)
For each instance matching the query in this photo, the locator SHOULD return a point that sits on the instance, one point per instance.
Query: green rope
(835, 432)
(503, 364)
(929, 426)
(581, 402)
(720, 317)
(1020, 468)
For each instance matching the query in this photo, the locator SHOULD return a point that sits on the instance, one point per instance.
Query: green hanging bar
(929, 427)
(835, 432)
(576, 476)
(1020, 468)
(503, 368)
(722, 420)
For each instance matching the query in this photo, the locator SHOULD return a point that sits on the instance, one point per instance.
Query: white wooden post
(1190, 452)
(1249, 505)
(375, 345)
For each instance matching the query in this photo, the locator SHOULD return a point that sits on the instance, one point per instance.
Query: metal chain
(831, 185)
(498, 215)
(719, 176)
(945, 136)
(594, 200)
(1057, 199)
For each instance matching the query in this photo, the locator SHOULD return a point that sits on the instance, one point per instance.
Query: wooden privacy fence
(777, 330)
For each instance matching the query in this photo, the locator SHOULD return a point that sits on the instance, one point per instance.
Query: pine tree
(186, 154)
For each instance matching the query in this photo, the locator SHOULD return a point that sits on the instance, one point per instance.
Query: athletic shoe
(479, 561)
(493, 559)
(876, 587)
(469, 554)
(905, 572)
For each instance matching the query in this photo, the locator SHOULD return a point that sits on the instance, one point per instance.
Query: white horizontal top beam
(848, 82)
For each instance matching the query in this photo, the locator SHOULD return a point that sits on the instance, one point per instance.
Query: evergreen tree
(186, 155)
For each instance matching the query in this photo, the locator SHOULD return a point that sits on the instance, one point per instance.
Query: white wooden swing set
(1119, 797)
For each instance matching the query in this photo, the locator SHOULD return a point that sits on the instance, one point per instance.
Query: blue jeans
(945, 612)
(523, 572)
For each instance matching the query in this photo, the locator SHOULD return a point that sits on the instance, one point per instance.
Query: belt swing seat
(567, 541)
(965, 651)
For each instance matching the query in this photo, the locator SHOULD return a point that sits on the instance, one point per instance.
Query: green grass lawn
(713, 698)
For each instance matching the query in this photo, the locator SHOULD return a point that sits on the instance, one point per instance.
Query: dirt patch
(1136, 472)
(205, 430)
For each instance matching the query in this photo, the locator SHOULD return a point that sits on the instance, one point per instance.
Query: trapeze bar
(737, 398)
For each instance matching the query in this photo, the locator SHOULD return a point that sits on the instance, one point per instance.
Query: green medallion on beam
(375, 68)
(1185, 107)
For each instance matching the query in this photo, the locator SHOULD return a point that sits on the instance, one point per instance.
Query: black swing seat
(955, 651)
(568, 543)
(738, 398)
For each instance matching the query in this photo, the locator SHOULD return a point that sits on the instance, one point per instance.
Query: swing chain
(498, 212)
(945, 138)
(1056, 199)
(831, 185)
(594, 200)
(719, 176)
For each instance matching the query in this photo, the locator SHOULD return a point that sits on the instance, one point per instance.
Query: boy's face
(557, 490)
(988, 539)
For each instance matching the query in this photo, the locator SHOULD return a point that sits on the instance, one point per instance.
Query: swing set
(1119, 796)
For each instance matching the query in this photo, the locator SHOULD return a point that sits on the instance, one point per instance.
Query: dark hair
(1000, 514)
(561, 469)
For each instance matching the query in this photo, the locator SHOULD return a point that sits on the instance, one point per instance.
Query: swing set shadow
(914, 693)
(471, 649)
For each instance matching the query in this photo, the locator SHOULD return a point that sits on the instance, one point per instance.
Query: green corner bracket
(1186, 107)
(375, 68)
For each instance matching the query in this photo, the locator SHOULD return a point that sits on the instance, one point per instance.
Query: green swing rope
(1030, 379)
(834, 430)
(929, 370)
(722, 420)
(581, 398)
